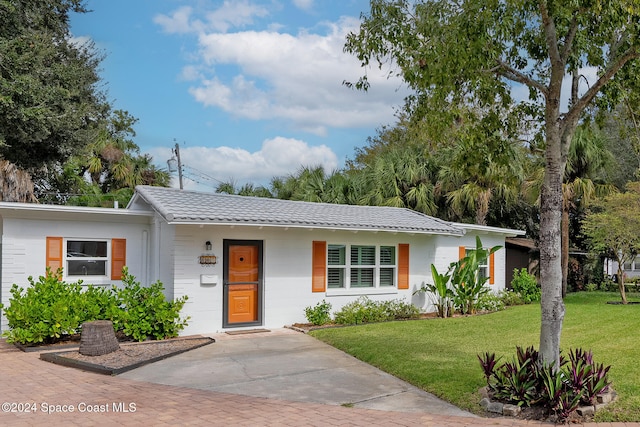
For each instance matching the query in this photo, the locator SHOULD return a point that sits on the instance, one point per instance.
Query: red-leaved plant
(526, 381)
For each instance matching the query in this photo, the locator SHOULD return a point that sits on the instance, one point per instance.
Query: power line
(201, 174)
(195, 179)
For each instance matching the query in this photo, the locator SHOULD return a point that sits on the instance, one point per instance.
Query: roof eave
(314, 227)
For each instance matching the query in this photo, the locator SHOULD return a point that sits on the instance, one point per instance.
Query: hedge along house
(244, 262)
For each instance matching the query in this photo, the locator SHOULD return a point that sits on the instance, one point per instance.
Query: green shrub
(526, 285)
(399, 309)
(608, 285)
(50, 309)
(145, 313)
(364, 310)
(591, 287)
(320, 314)
(490, 302)
(511, 298)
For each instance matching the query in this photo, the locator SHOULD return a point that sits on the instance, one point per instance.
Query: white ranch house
(244, 262)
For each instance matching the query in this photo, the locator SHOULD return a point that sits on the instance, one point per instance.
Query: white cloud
(205, 167)
(303, 4)
(296, 78)
(232, 14)
(178, 22)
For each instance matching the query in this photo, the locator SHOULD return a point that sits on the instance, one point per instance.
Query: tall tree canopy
(55, 122)
(48, 83)
(478, 51)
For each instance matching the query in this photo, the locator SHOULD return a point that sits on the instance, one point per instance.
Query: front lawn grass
(440, 355)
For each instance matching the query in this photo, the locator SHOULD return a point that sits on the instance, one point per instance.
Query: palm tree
(312, 184)
(230, 187)
(339, 188)
(110, 161)
(15, 184)
(480, 167)
(402, 176)
(227, 187)
(144, 172)
(113, 161)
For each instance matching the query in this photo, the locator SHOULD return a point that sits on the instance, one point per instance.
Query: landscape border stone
(60, 359)
(508, 410)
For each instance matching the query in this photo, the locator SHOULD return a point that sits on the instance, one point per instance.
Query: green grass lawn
(439, 355)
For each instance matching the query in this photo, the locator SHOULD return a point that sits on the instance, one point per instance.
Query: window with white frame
(483, 266)
(387, 266)
(360, 266)
(86, 258)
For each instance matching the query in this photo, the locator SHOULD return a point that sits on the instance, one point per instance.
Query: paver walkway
(57, 396)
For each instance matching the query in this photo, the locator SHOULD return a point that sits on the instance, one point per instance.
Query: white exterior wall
(447, 251)
(169, 253)
(24, 246)
(286, 272)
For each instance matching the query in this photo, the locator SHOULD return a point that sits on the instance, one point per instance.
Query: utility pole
(177, 151)
(171, 163)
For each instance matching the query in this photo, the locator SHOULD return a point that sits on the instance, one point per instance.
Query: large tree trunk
(482, 207)
(552, 306)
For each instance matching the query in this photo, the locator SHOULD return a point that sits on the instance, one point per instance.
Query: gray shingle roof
(181, 206)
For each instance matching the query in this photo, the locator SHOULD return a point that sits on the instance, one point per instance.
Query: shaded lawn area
(439, 355)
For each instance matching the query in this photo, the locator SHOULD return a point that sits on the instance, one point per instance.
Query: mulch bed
(129, 356)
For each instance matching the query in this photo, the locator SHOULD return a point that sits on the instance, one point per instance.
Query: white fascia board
(35, 210)
(507, 232)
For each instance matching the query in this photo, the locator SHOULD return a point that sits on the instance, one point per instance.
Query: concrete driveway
(289, 365)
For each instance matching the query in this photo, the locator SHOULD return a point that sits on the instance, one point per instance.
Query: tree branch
(568, 42)
(551, 36)
(505, 70)
(557, 70)
(577, 109)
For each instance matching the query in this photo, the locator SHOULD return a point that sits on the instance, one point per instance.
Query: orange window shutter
(403, 266)
(319, 267)
(492, 269)
(462, 252)
(118, 257)
(54, 253)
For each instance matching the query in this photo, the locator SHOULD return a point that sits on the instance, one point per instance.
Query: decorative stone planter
(98, 338)
(508, 410)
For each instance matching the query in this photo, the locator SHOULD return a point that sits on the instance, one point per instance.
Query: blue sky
(250, 89)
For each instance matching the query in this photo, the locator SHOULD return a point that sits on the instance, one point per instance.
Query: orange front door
(243, 279)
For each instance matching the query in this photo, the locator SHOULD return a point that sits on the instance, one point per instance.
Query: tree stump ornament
(98, 338)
